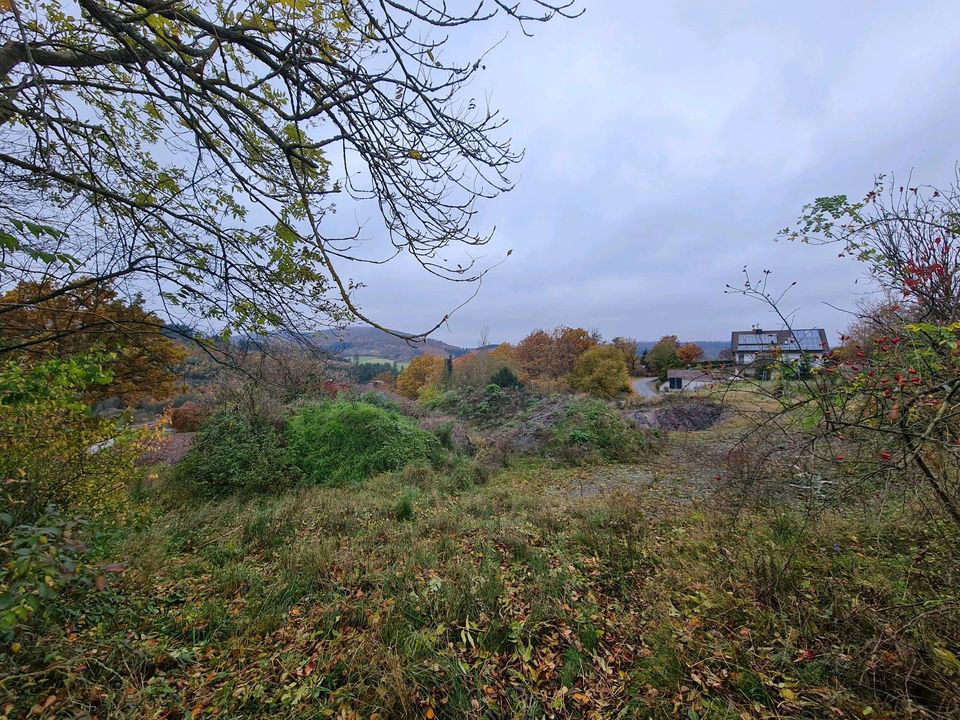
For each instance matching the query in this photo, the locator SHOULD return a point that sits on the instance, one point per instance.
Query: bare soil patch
(686, 414)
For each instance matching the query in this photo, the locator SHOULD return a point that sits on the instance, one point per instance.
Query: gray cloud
(666, 145)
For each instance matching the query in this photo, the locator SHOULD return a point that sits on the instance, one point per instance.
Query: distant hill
(711, 348)
(368, 341)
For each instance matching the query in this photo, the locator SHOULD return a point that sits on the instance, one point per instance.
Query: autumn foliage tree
(536, 353)
(571, 343)
(92, 318)
(476, 369)
(423, 371)
(689, 353)
(553, 355)
(507, 353)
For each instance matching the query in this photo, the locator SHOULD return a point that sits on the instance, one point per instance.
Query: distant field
(370, 359)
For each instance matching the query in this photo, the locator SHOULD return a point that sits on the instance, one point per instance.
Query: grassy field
(536, 592)
(373, 359)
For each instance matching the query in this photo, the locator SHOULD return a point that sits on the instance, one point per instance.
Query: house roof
(798, 340)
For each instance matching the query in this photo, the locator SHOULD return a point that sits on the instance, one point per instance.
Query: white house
(808, 344)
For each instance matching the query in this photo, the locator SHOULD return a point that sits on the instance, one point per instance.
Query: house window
(676, 383)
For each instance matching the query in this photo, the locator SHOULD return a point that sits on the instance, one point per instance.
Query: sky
(668, 142)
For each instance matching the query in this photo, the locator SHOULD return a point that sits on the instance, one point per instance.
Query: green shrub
(405, 508)
(233, 452)
(341, 441)
(45, 561)
(601, 371)
(590, 431)
(505, 378)
(444, 434)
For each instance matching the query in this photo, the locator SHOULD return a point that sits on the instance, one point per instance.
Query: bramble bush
(233, 452)
(344, 441)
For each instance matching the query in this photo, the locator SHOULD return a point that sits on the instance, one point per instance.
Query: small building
(680, 380)
(749, 346)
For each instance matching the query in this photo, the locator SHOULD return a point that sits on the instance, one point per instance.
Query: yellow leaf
(788, 694)
(949, 661)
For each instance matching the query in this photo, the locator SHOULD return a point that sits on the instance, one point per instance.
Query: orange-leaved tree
(536, 353)
(92, 318)
(423, 371)
(689, 353)
(571, 343)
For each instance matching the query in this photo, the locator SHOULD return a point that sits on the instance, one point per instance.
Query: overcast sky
(667, 142)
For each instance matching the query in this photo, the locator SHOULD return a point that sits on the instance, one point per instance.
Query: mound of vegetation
(592, 431)
(487, 406)
(232, 453)
(345, 441)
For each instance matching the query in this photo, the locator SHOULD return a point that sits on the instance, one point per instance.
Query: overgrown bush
(590, 431)
(487, 406)
(233, 452)
(45, 561)
(343, 441)
(53, 450)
